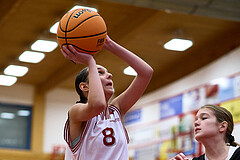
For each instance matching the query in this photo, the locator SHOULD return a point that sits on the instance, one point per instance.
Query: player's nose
(109, 76)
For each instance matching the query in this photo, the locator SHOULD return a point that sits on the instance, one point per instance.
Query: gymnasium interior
(35, 102)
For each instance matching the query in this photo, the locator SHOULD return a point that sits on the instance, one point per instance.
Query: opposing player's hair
(222, 114)
(81, 77)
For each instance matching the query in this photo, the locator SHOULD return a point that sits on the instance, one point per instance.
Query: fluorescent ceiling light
(44, 46)
(6, 115)
(23, 113)
(130, 71)
(31, 57)
(54, 28)
(78, 7)
(178, 44)
(7, 80)
(15, 70)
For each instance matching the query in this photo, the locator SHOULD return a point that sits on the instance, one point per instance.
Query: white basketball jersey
(104, 138)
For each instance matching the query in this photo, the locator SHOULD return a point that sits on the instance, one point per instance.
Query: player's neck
(216, 151)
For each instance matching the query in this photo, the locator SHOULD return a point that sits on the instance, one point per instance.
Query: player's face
(106, 79)
(206, 125)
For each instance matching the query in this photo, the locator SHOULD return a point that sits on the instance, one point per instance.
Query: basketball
(84, 29)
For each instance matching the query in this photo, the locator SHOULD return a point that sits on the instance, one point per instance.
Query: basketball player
(213, 128)
(94, 129)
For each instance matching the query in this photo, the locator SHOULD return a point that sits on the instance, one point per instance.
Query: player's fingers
(67, 51)
(183, 156)
(76, 53)
(178, 157)
(67, 56)
(64, 53)
(73, 49)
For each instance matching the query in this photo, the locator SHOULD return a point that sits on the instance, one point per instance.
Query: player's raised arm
(92, 88)
(144, 74)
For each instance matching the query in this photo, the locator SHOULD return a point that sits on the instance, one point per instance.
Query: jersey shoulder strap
(236, 154)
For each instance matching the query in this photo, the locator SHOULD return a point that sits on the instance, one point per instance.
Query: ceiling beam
(67, 70)
(188, 64)
(221, 9)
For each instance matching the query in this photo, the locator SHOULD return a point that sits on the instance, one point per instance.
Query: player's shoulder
(115, 103)
(76, 107)
(76, 110)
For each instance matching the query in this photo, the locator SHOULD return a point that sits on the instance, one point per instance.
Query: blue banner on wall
(133, 117)
(226, 89)
(171, 106)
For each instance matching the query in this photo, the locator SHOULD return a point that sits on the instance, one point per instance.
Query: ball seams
(80, 48)
(82, 36)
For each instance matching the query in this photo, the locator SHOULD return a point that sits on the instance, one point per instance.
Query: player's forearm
(96, 97)
(140, 66)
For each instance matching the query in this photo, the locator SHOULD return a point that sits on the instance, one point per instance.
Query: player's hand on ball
(107, 43)
(75, 56)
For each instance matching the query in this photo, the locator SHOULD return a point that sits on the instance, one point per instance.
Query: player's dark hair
(81, 77)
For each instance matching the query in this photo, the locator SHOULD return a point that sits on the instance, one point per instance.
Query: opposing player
(94, 129)
(213, 128)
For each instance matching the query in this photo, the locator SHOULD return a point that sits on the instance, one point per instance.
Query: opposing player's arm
(144, 74)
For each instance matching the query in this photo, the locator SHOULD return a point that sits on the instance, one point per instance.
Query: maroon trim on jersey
(77, 146)
(67, 135)
(83, 134)
(118, 111)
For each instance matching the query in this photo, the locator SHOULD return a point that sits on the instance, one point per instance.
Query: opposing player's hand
(180, 156)
(76, 56)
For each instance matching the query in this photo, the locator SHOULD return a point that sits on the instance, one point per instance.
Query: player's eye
(100, 72)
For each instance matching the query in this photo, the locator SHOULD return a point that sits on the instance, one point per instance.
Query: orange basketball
(84, 29)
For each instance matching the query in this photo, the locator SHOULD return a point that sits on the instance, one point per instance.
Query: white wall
(17, 94)
(58, 102)
(223, 67)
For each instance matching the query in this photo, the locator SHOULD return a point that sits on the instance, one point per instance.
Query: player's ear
(223, 126)
(83, 86)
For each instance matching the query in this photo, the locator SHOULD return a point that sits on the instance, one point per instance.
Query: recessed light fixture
(31, 57)
(178, 44)
(130, 71)
(23, 113)
(44, 46)
(7, 80)
(54, 28)
(15, 70)
(6, 115)
(78, 7)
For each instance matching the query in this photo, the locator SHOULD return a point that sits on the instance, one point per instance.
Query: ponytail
(231, 141)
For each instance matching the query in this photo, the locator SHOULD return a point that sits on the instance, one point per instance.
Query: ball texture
(84, 29)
